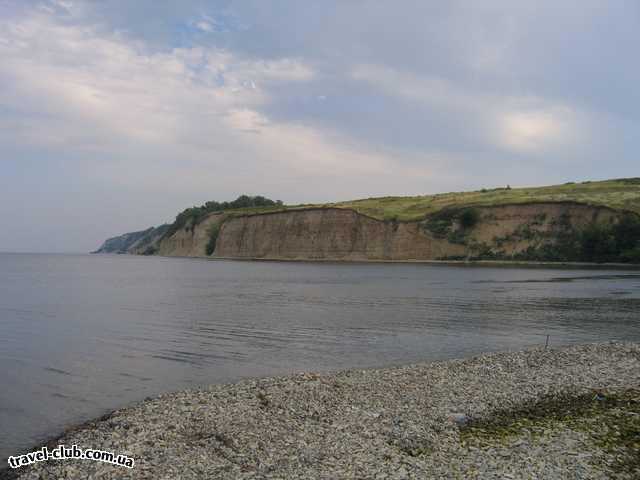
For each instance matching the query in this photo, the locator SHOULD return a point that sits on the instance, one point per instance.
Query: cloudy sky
(115, 115)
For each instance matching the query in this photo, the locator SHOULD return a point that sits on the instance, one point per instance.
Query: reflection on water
(85, 334)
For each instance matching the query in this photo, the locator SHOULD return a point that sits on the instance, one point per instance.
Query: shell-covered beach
(540, 413)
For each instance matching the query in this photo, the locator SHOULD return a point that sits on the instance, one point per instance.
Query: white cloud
(188, 111)
(305, 150)
(79, 76)
(535, 130)
(62, 4)
(524, 124)
(284, 69)
(204, 26)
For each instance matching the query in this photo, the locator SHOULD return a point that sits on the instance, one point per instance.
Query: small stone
(459, 419)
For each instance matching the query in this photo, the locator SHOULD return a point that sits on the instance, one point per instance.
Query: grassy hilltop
(622, 194)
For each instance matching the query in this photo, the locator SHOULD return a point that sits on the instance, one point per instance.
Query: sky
(116, 115)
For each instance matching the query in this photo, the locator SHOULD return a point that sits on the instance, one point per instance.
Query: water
(82, 335)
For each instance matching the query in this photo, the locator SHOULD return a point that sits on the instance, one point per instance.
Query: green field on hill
(623, 194)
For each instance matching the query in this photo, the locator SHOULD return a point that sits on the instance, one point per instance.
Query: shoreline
(396, 422)
(470, 263)
(458, 263)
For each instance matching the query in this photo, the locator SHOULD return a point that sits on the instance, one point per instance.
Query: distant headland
(575, 222)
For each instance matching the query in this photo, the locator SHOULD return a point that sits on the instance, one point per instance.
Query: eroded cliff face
(340, 234)
(511, 229)
(343, 234)
(190, 241)
(326, 234)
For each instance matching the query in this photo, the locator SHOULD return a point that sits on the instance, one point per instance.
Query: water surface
(82, 335)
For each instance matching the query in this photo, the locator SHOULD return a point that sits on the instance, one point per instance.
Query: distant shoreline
(471, 263)
(440, 262)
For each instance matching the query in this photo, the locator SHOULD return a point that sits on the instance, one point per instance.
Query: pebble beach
(557, 413)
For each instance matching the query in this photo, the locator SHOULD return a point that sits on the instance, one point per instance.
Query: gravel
(413, 421)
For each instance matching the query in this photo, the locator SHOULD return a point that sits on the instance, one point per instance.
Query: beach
(537, 413)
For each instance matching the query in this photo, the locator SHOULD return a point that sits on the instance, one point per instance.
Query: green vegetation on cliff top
(244, 203)
(620, 194)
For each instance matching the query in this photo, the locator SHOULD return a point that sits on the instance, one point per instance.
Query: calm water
(81, 335)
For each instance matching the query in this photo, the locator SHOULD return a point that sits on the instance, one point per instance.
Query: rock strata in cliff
(341, 234)
(191, 240)
(327, 234)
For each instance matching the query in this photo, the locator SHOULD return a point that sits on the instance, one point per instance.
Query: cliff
(191, 240)
(341, 234)
(144, 242)
(328, 234)
(498, 224)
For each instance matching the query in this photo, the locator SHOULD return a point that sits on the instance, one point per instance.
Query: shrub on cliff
(617, 243)
(469, 217)
(598, 244)
(627, 232)
(631, 256)
(213, 238)
(243, 201)
(192, 216)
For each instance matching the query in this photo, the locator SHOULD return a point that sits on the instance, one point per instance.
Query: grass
(610, 420)
(622, 194)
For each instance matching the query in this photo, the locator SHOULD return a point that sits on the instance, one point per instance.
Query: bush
(192, 216)
(627, 232)
(618, 242)
(612, 243)
(214, 230)
(469, 217)
(598, 244)
(631, 256)
(440, 223)
(457, 237)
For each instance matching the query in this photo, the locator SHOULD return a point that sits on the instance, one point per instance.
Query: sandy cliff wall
(337, 234)
(342, 234)
(325, 234)
(511, 229)
(190, 241)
